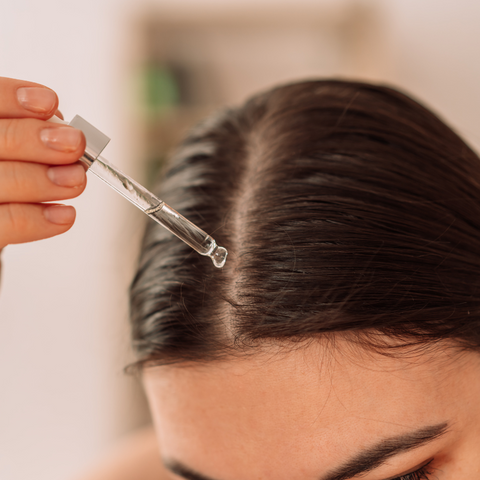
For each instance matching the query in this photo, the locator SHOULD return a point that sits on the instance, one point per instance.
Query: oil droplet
(219, 256)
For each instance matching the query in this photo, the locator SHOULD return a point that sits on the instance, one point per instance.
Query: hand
(37, 164)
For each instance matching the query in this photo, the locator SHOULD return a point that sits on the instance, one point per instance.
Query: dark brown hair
(345, 207)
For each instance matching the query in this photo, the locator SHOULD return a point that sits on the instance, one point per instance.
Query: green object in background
(161, 89)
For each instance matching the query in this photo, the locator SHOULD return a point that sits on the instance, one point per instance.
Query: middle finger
(35, 140)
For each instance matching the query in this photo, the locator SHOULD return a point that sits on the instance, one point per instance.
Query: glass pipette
(146, 201)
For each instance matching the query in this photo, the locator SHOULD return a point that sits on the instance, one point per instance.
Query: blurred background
(143, 72)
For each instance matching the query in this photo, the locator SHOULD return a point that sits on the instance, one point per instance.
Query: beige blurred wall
(63, 302)
(435, 46)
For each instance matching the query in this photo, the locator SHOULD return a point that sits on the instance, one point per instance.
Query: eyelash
(422, 474)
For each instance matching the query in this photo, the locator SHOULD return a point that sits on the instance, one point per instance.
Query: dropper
(146, 201)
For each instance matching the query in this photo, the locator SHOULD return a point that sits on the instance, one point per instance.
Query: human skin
(301, 414)
(37, 164)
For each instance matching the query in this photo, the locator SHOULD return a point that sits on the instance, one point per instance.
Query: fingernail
(63, 139)
(60, 214)
(37, 99)
(67, 176)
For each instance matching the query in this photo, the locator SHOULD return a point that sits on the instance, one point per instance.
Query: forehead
(293, 413)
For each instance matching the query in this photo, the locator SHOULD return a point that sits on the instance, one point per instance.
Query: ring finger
(24, 182)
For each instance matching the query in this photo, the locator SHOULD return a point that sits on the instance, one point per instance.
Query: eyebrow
(363, 462)
(376, 455)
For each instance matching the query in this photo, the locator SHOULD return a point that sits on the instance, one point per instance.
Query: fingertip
(39, 100)
(82, 145)
(60, 154)
(63, 215)
(74, 192)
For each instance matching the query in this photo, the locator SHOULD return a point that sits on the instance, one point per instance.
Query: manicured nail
(37, 99)
(60, 214)
(63, 139)
(67, 176)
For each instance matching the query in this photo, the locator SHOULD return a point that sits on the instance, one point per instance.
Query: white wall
(63, 304)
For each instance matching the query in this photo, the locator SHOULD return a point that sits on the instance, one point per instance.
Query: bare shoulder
(134, 458)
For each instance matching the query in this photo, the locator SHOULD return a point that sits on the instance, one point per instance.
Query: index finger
(19, 99)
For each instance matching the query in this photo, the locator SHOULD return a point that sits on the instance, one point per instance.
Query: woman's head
(352, 216)
(347, 209)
